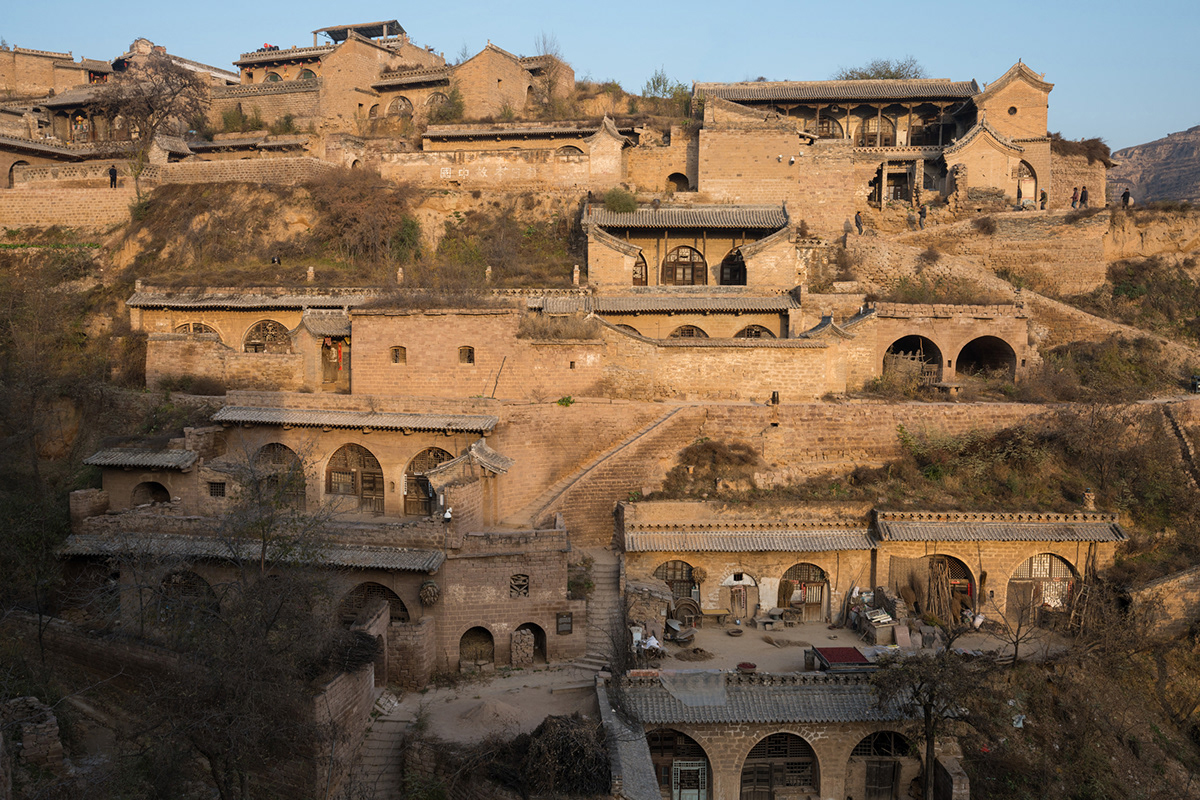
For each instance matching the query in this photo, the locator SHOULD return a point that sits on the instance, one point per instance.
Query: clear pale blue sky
(1125, 71)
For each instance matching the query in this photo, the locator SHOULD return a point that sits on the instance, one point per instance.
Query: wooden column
(908, 133)
(879, 126)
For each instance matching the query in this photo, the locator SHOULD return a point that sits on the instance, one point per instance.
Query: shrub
(620, 200)
(984, 225)
(1077, 214)
(930, 255)
(449, 111)
(942, 289)
(1093, 149)
(542, 326)
(285, 124)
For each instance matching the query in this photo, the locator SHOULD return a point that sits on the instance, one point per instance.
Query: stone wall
(344, 704)
(270, 101)
(1170, 604)
(94, 175)
(648, 165)
(498, 170)
(178, 354)
(1074, 172)
(86, 209)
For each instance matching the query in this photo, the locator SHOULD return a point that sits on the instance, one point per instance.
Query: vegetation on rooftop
(948, 289)
(1093, 149)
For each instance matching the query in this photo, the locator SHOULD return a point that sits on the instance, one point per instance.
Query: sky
(1126, 72)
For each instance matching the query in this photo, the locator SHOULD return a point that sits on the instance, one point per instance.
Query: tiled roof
(77, 96)
(478, 453)
(94, 65)
(291, 52)
(754, 217)
(448, 132)
(979, 129)
(750, 541)
(193, 299)
(327, 323)
(173, 144)
(173, 545)
(322, 418)
(933, 89)
(39, 146)
(826, 327)
(142, 459)
(410, 76)
(801, 698)
(907, 526)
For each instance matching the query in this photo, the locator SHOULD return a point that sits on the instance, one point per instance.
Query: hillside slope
(1165, 169)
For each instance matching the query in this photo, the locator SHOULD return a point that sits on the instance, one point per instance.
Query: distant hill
(1165, 169)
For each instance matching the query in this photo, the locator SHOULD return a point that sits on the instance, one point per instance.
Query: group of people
(1079, 199)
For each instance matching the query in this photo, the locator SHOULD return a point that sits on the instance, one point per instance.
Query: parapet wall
(94, 175)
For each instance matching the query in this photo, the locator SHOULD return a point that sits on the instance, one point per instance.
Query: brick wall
(649, 165)
(177, 354)
(495, 169)
(86, 209)
(270, 101)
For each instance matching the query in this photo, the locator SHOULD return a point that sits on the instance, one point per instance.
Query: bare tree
(1017, 625)
(907, 68)
(155, 96)
(551, 72)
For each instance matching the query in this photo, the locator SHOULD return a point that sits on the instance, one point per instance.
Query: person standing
(1075, 197)
(112, 176)
(1043, 197)
(1083, 197)
(921, 216)
(1126, 199)
(858, 223)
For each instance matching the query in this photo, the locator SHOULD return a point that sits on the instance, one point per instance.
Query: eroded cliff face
(1147, 233)
(1165, 169)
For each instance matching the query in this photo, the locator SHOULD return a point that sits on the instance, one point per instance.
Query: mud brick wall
(175, 354)
(255, 170)
(648, 166)
(344, 704)
(411, 651)
(483, 169)
(1170, 604)
(90, 175)
(271, 101)
(1071, 172)
(87, 209)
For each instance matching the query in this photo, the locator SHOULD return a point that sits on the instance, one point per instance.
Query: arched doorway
(678, 575)
(781, 765)
(733, 269)
(880, 766)
(806, 587)
(539, 642)
(476, 648)
(149, 492)
(281, 476)
(12, 180)
(184, 600)
(401, 107)
(1026, 184)
(739, 593)
(1042, 583)
(354, 472)
(419, 497)
(680, 764)
(640, 270)
(914, 357)
(678, 182)
(987, 354)
(364, 597)
(684, 266)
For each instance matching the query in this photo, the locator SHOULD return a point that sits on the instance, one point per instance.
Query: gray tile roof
(478, 453)
(795, 698)
(925, 89)
(923, 526)
(327, 323)
(413, 76)
(632, 769)
(291, 52)
(175, 546)
(323, 418)
(750, 217)
(979, 129)
(737, 541)
(142, 459)
(232, 298)
(40, 146)
(456, 132)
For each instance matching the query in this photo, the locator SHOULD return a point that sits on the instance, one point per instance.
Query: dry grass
(542, 326)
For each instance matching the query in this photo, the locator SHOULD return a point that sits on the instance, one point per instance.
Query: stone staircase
(379, 769)
(1186, 451)
(603, 610)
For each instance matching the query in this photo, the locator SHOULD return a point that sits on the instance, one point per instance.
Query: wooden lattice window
(733, 269)
(466, 355)
(364, 595)
(401, 107)
(754, 332)
(882, 744)
(195, 327)
(306, 75)
(436, 99)
(640, 271)
(268, 336)
(688, 332)
(678, 575)
(1045, 565)
(418, 492)
(354, 471)
(399, 355)
(805, 573)
(684, 266)
(518, 586)
(782, 760)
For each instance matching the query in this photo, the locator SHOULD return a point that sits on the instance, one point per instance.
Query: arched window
(354, 472)
(754, 332)
(477, 647)
(1045, 581)
(12, 172)
(267, 336)
(806, 588)
(436, 99)
(281, 476)
(419, 498)
(194, 327)
(306, 75)
(827, 128)
(733, 269)
(399, 355)
(272, 77)
(868, 133)
(365, 596)
(401, 107)
(678, 182)
(640, 271)
(466, 355)
(684, 266)
(688, 332)
(374, 111)
(778, 763)
(879, 761)
(569, 150)
(680, 763)
(678, 575)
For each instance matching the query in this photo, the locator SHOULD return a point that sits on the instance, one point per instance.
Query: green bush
(619, 200)
(285, 124)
